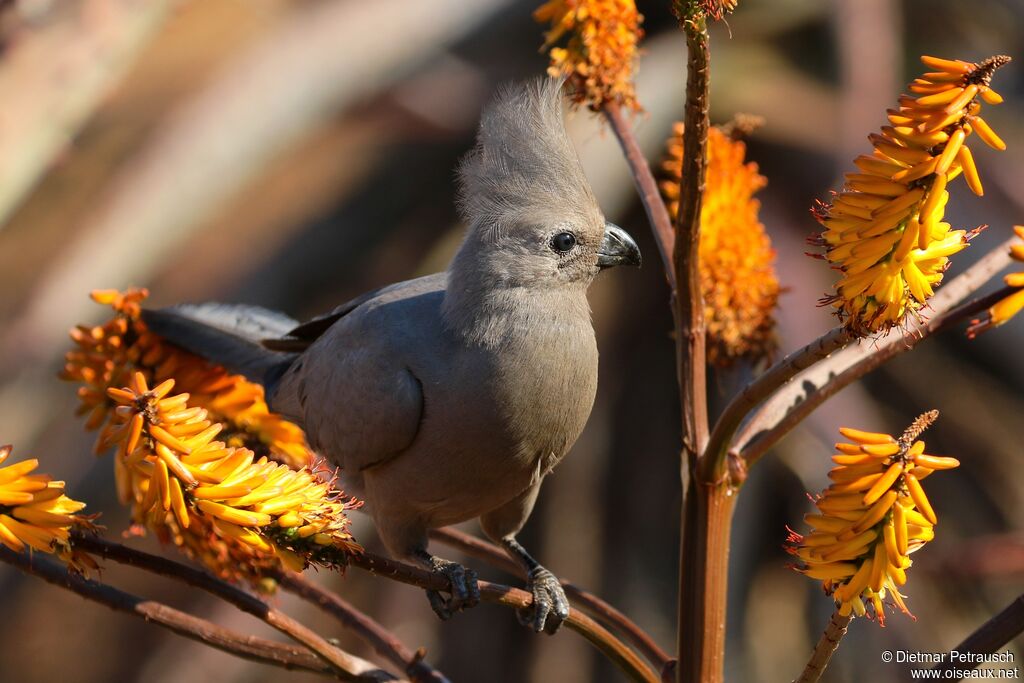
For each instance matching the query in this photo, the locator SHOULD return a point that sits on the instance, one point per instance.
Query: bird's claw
(550, 606)
(463, 593)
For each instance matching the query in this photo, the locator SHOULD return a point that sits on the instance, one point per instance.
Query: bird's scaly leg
(464, 591)
(550, 606)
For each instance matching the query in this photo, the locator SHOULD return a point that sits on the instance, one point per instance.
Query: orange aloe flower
(1006, 308)
(737, 273)
(884, 231)
(870, 519)
(600, 48)
(246, 502)
(35, 513)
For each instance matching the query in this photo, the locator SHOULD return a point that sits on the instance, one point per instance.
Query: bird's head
(533, 219)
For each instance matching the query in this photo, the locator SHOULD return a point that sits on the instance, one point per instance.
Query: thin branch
(385, 643)
(255, 649)
(605, 614)
(990, 636)
(767, 383)
(347, 666)
(788, 407)
(690, 356)
(825, 648)
(627, 660)
(646, 186)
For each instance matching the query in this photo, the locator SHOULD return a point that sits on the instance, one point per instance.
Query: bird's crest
(524, 165)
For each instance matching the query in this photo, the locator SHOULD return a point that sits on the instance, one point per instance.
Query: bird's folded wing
(360, 407)
(300, 337)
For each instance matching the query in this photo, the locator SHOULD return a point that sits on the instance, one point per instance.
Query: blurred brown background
(294, 153)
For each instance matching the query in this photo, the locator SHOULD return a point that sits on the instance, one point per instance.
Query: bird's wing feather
(250, 322)
(300, 337)
(226, 334)
(355, 390)
(375, 412)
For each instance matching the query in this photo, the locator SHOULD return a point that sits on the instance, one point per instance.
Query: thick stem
(602, 612)
(708, 500)
(825, 648)
(704, 581)
(690, 355)
(384, 643)
(647, 187)
(260, 650)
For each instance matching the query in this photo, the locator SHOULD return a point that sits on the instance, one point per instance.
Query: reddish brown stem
(767, 383)
(605, 614)
(647, 187)
(825, 648)
(704, 581)
(708, 500)
(685, 257)
(345, 665)
(366, 628)
(627, 660)
(260, 650)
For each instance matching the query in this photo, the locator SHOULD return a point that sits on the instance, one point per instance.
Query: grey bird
(451, 396)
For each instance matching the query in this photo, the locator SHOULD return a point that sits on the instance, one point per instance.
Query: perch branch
(609, 645)
(385, 643)
(825, 648)
(247, 647)
(605, 614)
(647, 187)
(345, 665)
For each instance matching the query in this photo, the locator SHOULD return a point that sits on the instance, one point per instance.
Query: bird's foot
(550, 606)
(463, 592)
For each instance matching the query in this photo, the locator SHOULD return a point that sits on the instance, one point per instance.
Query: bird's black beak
(617, 248)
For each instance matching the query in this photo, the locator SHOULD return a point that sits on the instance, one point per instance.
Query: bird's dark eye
(563, 242)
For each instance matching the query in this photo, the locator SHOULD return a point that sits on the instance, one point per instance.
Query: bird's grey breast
(547, 380)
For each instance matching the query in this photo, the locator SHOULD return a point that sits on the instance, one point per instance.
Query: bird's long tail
(229, 335)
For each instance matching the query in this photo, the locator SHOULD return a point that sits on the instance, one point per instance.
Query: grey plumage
(451, 396)
(229, 334)
(523, 159)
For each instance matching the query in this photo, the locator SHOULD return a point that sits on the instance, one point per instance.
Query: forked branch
(286, 656)
(367, 629)
(347, 666)
(796, 400)
(609, 645)
(605, 614)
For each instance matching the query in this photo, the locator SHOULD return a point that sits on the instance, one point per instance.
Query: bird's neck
(484, 308)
